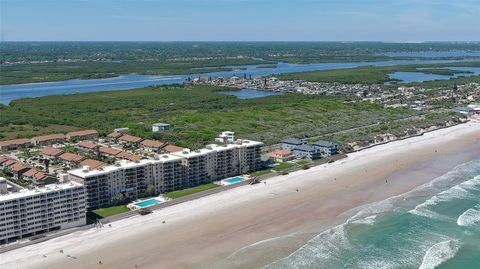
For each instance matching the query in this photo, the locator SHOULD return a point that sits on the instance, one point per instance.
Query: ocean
(436, 225)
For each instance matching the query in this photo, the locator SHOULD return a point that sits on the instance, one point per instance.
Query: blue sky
(242, 20)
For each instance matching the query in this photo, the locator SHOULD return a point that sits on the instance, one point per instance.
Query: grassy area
(198, 113)
(284, 166)
(110, 211)
(261, 172)
(372, 74)
(180, 193)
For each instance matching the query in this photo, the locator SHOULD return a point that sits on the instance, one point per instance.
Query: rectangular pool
(146, 203)
(233, 180)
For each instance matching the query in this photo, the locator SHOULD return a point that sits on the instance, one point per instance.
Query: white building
(157, 127)
(167, 172)
(28, 212)
(226, 137)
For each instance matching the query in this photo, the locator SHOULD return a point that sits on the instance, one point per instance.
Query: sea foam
(439, 253)
(469, 217)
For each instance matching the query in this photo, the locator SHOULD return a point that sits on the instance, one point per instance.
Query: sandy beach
(216, 231)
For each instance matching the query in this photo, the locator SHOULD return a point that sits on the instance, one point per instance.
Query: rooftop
(109, 150)
(293, 141)
(67, 156)
(304, 148)
(82, 133)
(160, 124)
(20, 141)
(282, 152)
(172, 148)
(115, 134)
(39, 190)
(130, 138)
(93, 164)
(88, 145)
(50, 151)
(48, 137)
(152, 143)
(323, 143)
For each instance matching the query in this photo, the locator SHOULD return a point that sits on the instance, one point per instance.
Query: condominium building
(199, 166)
(128, 180)
(28, 212)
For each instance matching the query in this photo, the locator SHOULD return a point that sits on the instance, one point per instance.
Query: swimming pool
(233, 180)
(146, 203)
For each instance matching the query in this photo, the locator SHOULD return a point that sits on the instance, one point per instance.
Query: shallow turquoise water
(234, 179)
(147, 203)
(434, 226)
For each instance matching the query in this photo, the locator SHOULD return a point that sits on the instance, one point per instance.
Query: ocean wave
(469, 217)
(327, 244)
(459, 191)
(331, 246)
(439, 253)
(370, 220)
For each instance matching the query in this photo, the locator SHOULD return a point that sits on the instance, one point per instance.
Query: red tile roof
(88, 145)
(35, 174)
(9, 162)
(43, 138)
(152, 143)
(70, 157)
(3, 159)
(31, 172)
(130, 138)
(109, 150)
(134, 157)
(172, 149)
(282, 152)
(50, 151)
(18, 166)
(94, 164)
(115, 135)
(82, 133)
(129, 156)
(20, 141)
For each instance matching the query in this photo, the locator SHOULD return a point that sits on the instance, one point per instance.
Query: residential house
(15, 144)
(82, 135)
(153, 145)
(50, 152)
(48, 139)
(291, 143)
(71, 158)
(87, 146)
(130, 139)
(326, 148)
(172, 149)
(307, 152)
(281, 155)
(114, 136)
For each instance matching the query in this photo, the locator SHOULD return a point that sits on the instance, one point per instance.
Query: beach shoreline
(205, 233)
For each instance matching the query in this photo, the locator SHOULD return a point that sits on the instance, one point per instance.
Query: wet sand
(204, 233)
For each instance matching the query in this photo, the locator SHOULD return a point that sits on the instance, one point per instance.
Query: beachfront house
(306, 152)
(291, 143)
(326, 148)
(281, 155)
(465, 110)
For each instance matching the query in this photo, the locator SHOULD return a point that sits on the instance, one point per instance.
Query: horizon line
(256, 41)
